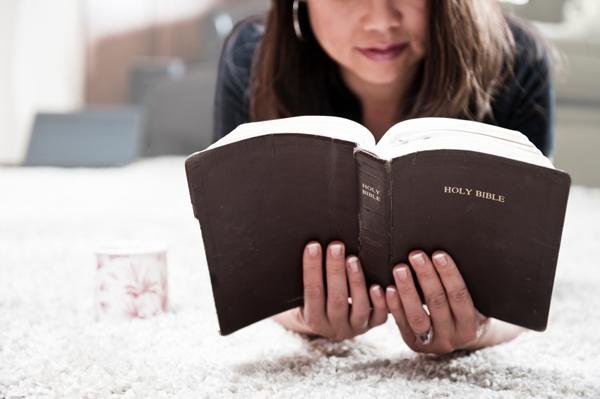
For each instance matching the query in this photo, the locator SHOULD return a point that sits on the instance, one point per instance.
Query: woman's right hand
(331, 315)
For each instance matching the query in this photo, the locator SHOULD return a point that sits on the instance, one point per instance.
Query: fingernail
(353, 263)
(391, 290)
(440, 259)
(418, 259)
(401, 273)
(313, 249)
(376, 291)
(336, 250)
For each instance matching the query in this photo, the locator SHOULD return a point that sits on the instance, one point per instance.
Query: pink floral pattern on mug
(130, 283)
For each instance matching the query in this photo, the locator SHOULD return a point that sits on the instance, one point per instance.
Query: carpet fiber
(50, 345)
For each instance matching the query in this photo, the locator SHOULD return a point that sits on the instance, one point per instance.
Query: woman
(379, 62)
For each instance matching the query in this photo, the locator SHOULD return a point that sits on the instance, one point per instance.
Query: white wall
(7, 11)
(41, 49)
(42, 53)
(107, 17)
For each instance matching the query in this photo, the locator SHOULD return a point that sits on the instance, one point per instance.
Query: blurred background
(104, 82)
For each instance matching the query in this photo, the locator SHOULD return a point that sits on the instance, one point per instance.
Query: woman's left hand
(452, 323)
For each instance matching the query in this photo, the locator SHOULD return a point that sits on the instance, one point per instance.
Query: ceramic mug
(131, 280)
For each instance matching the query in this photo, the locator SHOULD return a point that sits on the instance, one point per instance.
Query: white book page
(404, 130)
(320, 125)
(409, 136)
(424, 134)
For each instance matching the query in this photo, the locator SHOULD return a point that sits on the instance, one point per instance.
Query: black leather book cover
(260, 200)
(500, 219)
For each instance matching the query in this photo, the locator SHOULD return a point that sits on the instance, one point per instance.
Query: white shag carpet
(50, 345)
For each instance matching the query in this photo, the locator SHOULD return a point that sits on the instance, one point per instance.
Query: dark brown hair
(470, 52)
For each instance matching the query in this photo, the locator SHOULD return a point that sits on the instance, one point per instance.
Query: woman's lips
(379, 54)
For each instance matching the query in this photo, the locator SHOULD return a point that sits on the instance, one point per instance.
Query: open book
(484, 194)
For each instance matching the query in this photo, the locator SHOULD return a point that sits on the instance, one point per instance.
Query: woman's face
(376, 41)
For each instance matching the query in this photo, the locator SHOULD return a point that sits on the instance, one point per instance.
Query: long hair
(470, 53)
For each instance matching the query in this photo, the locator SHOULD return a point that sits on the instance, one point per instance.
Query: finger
(416, 316)
(361, 308)
(337, 286)
(434, 292)
(379, 313)
(314, 292)
(461, 303)
(394, 304)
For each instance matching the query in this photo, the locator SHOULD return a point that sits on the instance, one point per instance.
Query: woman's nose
(381, 15)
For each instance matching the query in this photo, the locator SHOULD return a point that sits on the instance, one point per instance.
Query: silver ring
(426, 337)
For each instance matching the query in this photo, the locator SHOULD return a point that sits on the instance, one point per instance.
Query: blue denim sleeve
(232, 93)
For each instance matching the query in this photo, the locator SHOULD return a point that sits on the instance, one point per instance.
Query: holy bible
(484, 194)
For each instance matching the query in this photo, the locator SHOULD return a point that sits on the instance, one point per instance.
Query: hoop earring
(296, 20)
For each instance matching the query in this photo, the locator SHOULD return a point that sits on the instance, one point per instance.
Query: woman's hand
(330, 315)
(453, 322)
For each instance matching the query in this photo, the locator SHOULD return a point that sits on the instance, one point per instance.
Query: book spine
(374, 216)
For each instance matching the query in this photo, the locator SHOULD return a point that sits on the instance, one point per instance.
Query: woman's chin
(380, 78)
(374, 74)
